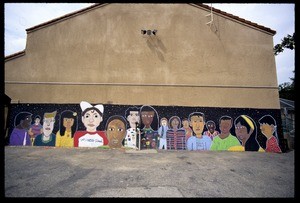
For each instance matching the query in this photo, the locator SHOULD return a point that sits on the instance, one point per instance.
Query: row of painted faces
(117, 133)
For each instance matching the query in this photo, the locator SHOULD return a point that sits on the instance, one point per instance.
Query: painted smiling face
(242, 133)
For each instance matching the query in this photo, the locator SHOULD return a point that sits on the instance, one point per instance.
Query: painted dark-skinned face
(116, 132)
(241, 132)
(211, 127)
(25, 123)
(225, 126)
(147, 117)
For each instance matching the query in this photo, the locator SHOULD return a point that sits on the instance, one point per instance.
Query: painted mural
(91, 117)
(146, 127)
(47, 137)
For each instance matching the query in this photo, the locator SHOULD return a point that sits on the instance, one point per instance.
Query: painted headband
(84, 105)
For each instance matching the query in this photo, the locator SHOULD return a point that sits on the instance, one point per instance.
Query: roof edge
(242, 20)
(31, 29)
(15, 55)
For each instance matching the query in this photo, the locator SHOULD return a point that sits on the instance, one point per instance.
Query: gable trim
(15, 55)
(236, 18)
(65, 17)
(201, 5)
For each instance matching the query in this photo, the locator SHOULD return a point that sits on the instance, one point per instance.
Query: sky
(279, 17)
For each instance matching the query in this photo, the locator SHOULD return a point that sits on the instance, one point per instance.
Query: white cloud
(15, 45)
(20, 16)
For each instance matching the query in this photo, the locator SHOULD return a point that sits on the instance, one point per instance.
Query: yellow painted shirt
(238, 148)
(64, 141)
(242, 148)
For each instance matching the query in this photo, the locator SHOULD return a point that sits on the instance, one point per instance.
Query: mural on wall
(47, 138)
(211, 129)
(187, 128)
(116, 131)
(175, 135)
(140, 127)
(162, 133)
(91, 117)
(149, 127)
(19, 135)
(68, 123)
(198, 141)
(246, 132)
(225, 139)
(35, 129)
(132, 114)
(268, 128)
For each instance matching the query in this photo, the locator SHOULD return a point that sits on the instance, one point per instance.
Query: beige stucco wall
(101, 56)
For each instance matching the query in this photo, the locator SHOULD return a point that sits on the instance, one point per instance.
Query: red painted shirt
(272, 145)
(90, 139)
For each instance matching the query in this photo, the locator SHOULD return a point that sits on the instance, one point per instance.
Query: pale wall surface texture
(101, 56)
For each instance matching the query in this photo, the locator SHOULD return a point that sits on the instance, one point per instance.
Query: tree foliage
(287, 89)
(287, 42)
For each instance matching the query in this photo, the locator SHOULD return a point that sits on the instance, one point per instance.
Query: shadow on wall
(157, 46)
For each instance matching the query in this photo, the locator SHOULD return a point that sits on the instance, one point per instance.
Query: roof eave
(242, 20)
(64, 17)
(15, 55)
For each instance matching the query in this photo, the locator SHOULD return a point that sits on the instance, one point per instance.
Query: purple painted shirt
(17, 137)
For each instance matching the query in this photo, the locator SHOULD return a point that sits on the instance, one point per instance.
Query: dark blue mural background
(211, 113)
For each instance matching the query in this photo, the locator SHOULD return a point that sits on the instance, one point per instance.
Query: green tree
(287, 89)
(287, 42)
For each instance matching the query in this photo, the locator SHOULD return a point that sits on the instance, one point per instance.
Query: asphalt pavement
(94, 172)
